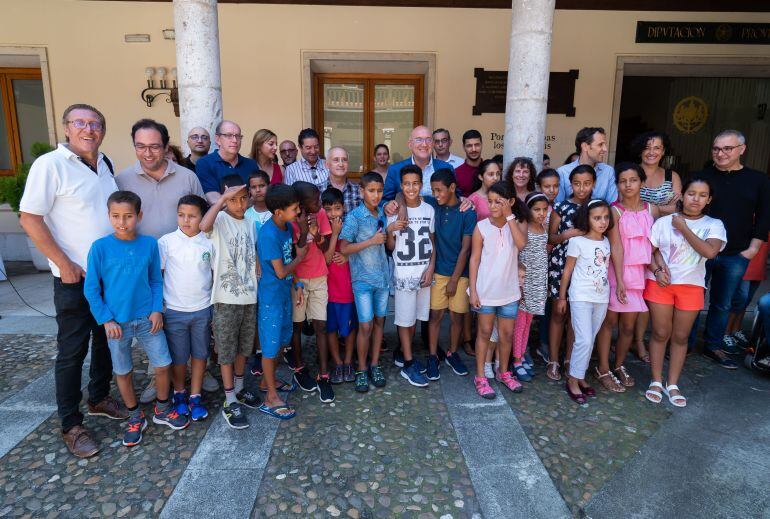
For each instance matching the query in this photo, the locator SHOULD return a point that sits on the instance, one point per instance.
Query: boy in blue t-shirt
(124, 289)
(274, 245)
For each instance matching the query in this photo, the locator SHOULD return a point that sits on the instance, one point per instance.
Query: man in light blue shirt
(591, 144)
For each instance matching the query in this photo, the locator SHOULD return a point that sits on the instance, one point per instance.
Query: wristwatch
(510, 218)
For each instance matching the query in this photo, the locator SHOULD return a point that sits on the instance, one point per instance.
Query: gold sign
(690, 114)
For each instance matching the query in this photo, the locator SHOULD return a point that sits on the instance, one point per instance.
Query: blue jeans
(726, 277)
(763, 307)
(154, 345)
(743, 296)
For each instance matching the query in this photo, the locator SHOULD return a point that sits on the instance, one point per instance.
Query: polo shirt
(160, 198)
(451, 225)
(605, 187)
(72, 200)
(212, 168)
(466, 177)
(741, 199)
(186, 264)
(316, 174)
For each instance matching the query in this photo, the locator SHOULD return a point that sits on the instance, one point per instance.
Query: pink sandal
(508, 380)
(483, 388)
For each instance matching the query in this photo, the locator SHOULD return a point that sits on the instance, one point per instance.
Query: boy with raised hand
(233, 294)
(362, 239)
(275, 302)
(342, 320)
(414, 257)
(454, 229)
(124, 289)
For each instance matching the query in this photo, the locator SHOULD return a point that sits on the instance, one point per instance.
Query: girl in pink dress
(631, 253)
(489, 173)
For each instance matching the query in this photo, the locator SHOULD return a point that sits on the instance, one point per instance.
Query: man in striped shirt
(310, 167)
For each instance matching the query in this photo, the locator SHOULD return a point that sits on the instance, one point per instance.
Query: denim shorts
(371, 302)
(508, 311)
(154, 345)
(275, 327)
(188, 334)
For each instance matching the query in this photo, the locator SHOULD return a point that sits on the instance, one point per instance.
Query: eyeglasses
(422, 140)
(152, 147)
(231, 136)
(724, 149)
(445, 140)
(80, 124)
(196, 137)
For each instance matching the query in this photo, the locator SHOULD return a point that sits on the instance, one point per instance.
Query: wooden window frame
(7, 76)
(368, 81)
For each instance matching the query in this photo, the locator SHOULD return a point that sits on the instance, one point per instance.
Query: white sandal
(676, 400)
(653, 396)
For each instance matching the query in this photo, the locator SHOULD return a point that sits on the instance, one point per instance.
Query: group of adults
(63, 212)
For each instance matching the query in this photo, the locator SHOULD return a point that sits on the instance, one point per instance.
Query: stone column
(528, 73)
(197, 62)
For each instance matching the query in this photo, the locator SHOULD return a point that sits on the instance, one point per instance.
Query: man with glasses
(741, 199)
(421, 145)
(442, 144)
(225, 161)
(64, 210)
(199, 142)
(310, 167)
(288, 151)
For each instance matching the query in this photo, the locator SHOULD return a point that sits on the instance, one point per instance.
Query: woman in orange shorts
(681, 243)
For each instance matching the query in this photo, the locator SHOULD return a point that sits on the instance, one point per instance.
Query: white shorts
(411, 306)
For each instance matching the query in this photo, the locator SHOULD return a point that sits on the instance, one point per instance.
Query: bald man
(225, 161)
(421, 145)
(199, 142)
(337, 161)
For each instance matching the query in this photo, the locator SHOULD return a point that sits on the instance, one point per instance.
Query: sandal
(587, 390)
(507, 379)
(578, 398)
(625, 379)
(609, 382)
(676, 400)
(483, 388)
(553, 371)
(652, 394)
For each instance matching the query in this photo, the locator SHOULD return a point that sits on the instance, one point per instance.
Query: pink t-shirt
(314, 264)
(481, 204)
(339, 283)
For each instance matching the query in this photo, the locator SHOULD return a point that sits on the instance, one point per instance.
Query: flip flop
(273, 411)
(283, 387)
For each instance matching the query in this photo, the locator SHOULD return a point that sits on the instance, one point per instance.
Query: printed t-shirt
(413, 249)
(258, 218)
(589, 279)
(186, 264)
(235, 276)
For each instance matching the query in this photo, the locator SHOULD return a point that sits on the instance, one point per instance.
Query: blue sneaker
(722, 360)
(413, 376)
(454, 361)
(521, 373)
(362, 382)
(420, 367)
(432, 372)
(170, 417)
(133, 434)
(180, 403)
(197, 411)
(398, 358)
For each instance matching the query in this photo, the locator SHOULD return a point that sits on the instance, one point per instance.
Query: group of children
(262, 260)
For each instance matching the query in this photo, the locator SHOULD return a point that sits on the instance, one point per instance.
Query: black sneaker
(304, 380)
(288, 357)
(348, 375)
(234, 416)
(432, 372)
(248, 399)
(336, 376)
(398, 358)
(441, 354)
(362, 382)
(256, 366)
(325, 391)
(378, 377)
(730, 345)
(723, 361)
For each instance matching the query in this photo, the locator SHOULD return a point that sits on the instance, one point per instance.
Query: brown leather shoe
(79, 442)
(110, 408)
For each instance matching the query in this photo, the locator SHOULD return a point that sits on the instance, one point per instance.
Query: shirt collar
(220, 159)
(171, 167)
(71, 155)
(430, 161)
(318, 165)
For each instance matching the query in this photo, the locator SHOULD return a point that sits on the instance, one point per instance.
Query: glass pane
(5, 146)
(344, 121)
(30, 114)
(394, 118)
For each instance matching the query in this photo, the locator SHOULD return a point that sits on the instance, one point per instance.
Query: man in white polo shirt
(63, 210)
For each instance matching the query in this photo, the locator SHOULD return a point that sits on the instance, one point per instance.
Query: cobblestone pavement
(40, 478)
(389, 453)
(582, 446)
(23, 358)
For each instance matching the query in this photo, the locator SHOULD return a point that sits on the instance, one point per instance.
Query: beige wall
(261, 49)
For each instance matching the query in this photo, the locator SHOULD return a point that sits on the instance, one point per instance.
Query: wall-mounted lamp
(163, 88)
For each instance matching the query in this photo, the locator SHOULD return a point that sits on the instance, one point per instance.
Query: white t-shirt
(186, 262)
(589, 279)
(257, 218)
(686, 265)
(72, 200)
(413, 248)
(235, 258)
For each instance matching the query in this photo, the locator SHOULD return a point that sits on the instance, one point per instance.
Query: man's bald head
(199, 141)
(338, 162)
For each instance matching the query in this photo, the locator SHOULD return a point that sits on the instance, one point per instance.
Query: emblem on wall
(690, 114)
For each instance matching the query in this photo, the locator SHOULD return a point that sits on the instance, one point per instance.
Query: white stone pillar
(528, 73)
(197, 62)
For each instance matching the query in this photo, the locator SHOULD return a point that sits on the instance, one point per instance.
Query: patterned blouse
(566, 211)
(660, 195)
(534, 257)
